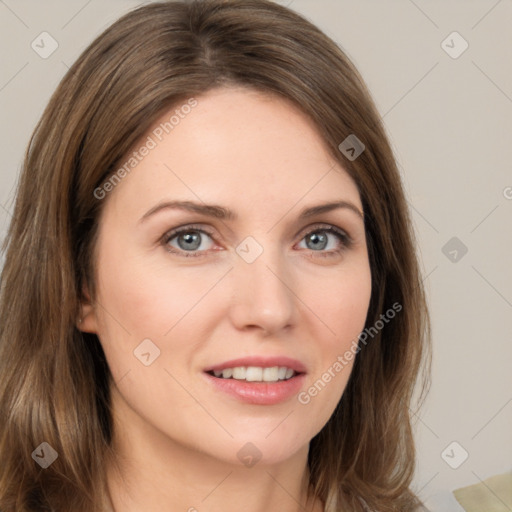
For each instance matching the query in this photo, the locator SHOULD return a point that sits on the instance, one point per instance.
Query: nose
(262, 294)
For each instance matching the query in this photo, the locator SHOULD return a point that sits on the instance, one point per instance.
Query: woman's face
(260, 276)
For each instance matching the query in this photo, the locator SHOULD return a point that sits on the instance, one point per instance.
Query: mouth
(255, 373)
(257, 380)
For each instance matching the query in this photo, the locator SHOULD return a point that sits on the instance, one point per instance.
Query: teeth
(227, 373)
(271, 374)
(253, 374)
(256, 373)
(239, 372)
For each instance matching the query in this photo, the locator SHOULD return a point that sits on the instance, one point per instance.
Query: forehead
(236, 146)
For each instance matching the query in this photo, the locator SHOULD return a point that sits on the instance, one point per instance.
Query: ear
(87, 321)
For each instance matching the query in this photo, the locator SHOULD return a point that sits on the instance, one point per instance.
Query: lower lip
(259, 393)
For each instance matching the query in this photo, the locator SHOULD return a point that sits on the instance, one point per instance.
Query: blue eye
(189, 240)
(328, 241)
(192, 241)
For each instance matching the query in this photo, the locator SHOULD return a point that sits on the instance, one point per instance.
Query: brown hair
(55, 380)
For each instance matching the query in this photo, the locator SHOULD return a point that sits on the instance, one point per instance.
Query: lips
(258, 380)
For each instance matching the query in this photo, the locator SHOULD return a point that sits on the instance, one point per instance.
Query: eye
(327, 240)
(189, 239)
(194, 241)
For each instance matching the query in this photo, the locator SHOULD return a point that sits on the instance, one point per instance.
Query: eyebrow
(219, 212)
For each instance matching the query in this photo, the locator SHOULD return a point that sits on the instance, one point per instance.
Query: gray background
(449, 120)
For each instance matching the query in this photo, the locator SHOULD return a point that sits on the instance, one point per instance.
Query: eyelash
(343, 238)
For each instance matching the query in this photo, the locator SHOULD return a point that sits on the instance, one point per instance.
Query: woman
(210, 294)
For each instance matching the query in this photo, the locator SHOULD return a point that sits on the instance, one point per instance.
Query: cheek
(342, 304)
(342, 308)
(147, 298)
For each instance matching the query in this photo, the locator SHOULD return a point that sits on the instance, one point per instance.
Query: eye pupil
(318, 239)
(193, 238)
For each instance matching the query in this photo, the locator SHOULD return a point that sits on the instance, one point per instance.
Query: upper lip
(260, 361)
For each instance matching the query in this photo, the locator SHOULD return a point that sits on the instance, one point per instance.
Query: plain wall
(450, 123)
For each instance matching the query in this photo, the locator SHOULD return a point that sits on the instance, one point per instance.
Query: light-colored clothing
(491, 495)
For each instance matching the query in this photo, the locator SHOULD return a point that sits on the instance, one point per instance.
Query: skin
(176, 436)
